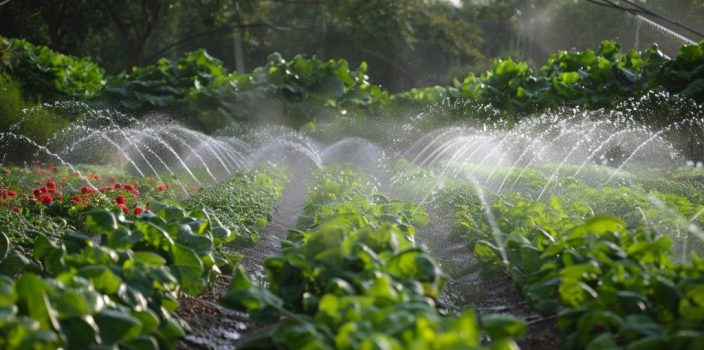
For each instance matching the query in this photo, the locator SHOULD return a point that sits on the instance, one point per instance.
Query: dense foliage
(244, 204)
(121, 33)
(90, 258)
(200, 91)
(95, 259)
(353, 278)
(632, 281)
(589, 79)
(48, 75)
(103, 264)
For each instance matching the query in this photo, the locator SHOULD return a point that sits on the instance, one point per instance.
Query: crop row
(107, 277)
(632, 282)
(353, 278)
(309, 89)
(590, 79)
(245, 203)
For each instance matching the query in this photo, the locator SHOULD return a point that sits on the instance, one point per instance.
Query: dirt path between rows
(215, 327)
(470, 285)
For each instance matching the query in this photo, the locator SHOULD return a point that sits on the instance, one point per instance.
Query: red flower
(86, 190)
(94, 177)
(120, 199)
(16, 209)
(46, 198)
(37, 192)
(51, 185)
(138, 211)
(160, 188)
(129, 188)
(76, 199)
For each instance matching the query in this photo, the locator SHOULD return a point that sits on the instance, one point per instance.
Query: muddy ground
(470, 286)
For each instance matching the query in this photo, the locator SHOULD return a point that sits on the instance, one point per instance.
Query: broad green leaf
(148, 319)
(81, 332)
(604, 341)
(8, 297)
(100, 221)
(500, 326)
(33, 292)
(117, 326)
(143, 343)
(102, 278)
(188, 267)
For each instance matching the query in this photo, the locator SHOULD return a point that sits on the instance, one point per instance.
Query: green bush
(48, 75)
(20, 117)
(11, 102)
(296, 92)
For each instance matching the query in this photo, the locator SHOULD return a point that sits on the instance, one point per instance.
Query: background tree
(133, 22)
(407, 43)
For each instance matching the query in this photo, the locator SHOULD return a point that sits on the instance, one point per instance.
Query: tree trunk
(133, 56)
(133, 40)
(239, 50)
(54, 16)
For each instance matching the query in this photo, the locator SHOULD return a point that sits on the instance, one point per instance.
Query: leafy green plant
(245, 203)
(300, 91)
(165, 84)
(112, 277)
(43, 72)
(303, 89)
(355, 279)
(685, 73)
(611, 282)
(618, 282)
(119, 292)
(11, 101)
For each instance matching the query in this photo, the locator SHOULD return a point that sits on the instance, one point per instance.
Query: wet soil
(471, 285)
(216, 327)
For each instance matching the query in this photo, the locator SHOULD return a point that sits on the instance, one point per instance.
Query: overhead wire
(638, 10)
(653, 14)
